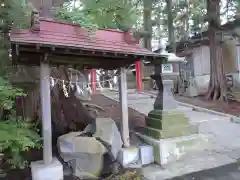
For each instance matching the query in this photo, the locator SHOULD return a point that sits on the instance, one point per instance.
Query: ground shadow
(226, 172)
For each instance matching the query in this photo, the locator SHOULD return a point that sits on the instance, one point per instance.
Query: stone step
(166, 122)
(172, 149)
(173, 114)
(171, 132)
(136, 157)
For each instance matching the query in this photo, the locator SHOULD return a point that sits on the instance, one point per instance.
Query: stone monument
(167, 127)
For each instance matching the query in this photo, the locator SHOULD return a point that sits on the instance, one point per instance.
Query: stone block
(172, 149)
(84, 154)
(72, 145)
(88, 145)
(169, 103)
(202, 83)
(53, 171)
(235, 119)
(169, 120)
(171, 115)
(87, 166)
(146, 154)
(107, 131)
(66, 146)
(171, 132)
(128, 156)
(90, 128)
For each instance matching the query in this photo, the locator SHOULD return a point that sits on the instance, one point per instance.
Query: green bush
(17, 135)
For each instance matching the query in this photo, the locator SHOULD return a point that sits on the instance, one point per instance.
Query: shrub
(17, 135)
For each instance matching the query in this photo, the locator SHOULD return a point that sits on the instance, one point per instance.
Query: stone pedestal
(168, 122)
(172, 149)
(168, 129)
(52, 171)
(128, 157)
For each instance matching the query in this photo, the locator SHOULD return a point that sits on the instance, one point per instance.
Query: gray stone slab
(107, 131)
(84, 154)
(87, 166)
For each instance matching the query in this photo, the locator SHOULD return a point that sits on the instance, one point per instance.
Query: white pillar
(238, 60)
(124, 107)
(46, 112)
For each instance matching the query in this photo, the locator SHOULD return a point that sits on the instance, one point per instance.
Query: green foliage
(189, 16)
(107, 13)
(16, 135)
(74, 15)
(100, 14)
(8, 94)
(13, 14)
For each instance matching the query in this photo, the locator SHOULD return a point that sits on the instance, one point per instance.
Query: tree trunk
(217, 85)
(187, 26)
(68, 113)
(171, 37)
(147, 39)
(170, 25)
(147, 21)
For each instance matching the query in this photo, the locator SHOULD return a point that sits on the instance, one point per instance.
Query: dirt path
(113, 110)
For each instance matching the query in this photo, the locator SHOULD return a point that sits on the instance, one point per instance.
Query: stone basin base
(172, 149)
(53, 171)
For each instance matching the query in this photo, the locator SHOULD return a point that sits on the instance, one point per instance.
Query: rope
(80, 86)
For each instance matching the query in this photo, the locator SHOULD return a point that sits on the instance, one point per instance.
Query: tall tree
(171, 39)
(147, 22)
(217, 85)
(100, 14)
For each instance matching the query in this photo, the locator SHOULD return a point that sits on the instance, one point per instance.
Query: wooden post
(139, 76)
(46, 112)
(124, 107)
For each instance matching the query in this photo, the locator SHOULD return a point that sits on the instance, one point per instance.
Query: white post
(124, 107)
(238, 60)
(46, 112)
(110, 85)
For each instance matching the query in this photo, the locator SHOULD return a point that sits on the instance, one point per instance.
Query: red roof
(54, 33)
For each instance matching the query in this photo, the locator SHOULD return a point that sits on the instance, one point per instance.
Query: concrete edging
(232, 118)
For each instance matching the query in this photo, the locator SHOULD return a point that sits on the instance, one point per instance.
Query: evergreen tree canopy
(100, 13)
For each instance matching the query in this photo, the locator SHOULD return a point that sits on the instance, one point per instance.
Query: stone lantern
(167, 127)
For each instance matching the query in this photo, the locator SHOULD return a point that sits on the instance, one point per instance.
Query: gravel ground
(226, 172)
